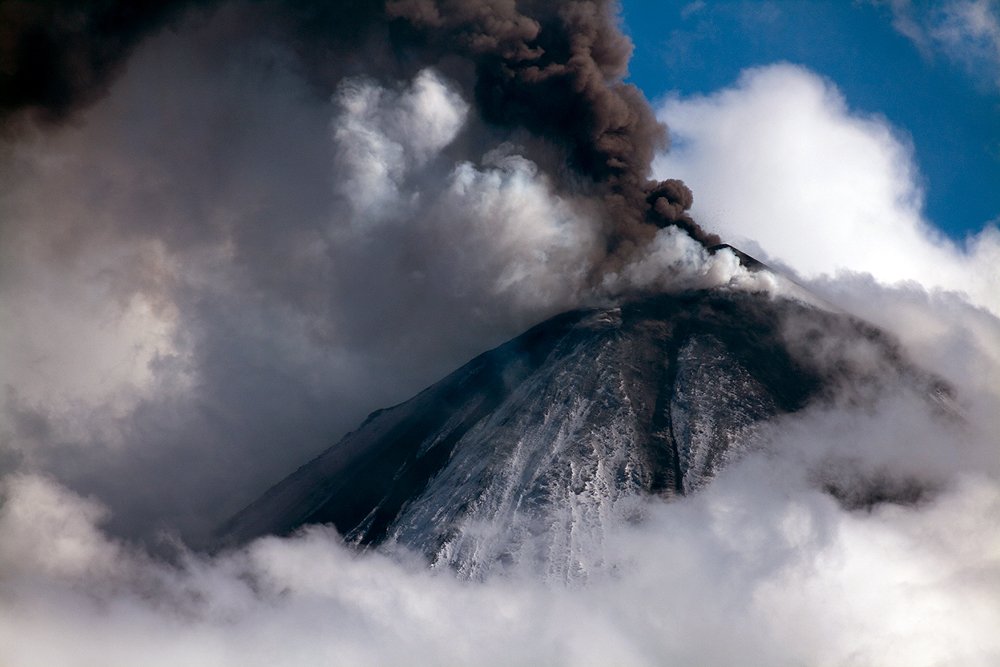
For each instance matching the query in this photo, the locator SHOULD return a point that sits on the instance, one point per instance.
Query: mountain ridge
(650, 396)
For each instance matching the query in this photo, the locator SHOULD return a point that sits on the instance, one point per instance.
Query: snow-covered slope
(527, 452)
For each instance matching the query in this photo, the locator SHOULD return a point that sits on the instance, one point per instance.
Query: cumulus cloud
(782, 165)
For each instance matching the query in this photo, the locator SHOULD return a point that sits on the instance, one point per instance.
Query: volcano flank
(528, 452)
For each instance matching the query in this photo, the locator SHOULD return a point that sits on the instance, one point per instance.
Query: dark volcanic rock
(530, 449)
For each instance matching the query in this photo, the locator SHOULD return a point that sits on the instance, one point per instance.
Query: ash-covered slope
(529, 450)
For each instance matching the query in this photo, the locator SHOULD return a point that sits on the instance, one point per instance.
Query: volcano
(531, 450)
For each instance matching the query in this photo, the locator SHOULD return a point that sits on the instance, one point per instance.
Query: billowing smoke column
(554, 69)
(557, 69)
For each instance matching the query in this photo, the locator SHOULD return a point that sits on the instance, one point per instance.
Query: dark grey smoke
(555, 69)
(59, 55)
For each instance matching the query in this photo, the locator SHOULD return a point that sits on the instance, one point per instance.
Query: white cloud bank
(780, 164)
(759, 568)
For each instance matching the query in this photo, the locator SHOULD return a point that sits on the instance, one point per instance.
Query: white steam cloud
(191, 310)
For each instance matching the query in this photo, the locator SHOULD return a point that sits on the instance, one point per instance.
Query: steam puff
(497, 222)
(380, 136)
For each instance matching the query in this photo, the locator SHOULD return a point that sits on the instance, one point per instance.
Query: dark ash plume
(59, 55)
(555, 69)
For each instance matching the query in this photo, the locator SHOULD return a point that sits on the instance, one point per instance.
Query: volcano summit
(527, 452)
